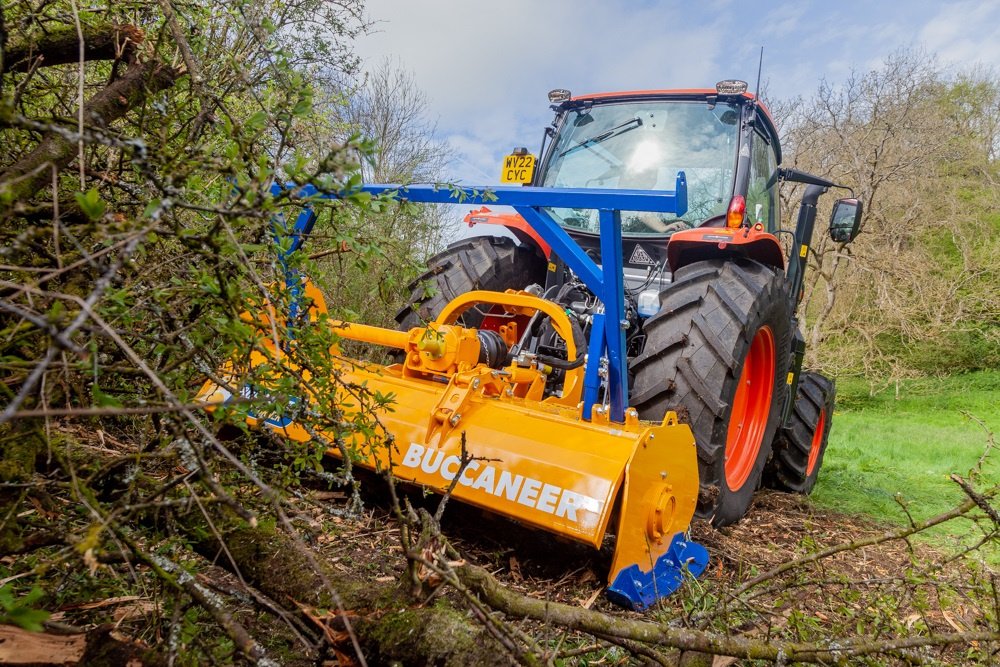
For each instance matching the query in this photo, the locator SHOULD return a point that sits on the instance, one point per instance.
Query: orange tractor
(627, 347)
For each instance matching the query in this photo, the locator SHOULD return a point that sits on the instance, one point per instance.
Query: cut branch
(61, 47)
(598, 624)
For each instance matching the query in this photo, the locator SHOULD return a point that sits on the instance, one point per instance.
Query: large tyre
(717, 352)
(479, 263)
(798, 449)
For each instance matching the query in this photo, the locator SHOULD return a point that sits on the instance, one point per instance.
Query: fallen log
(390, 625)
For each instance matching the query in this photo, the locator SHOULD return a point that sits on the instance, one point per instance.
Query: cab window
(762, 201)
(644, 145)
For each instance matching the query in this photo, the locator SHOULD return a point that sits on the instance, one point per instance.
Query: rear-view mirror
(845, 221)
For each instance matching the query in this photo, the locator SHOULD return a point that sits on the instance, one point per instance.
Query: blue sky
(486, 67)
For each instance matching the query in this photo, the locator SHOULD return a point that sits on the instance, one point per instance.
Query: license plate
(518, 169)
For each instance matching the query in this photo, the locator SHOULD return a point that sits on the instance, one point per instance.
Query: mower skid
(657, 503)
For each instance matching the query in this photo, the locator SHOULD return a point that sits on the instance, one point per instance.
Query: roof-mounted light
(730, 87)
(559, 95)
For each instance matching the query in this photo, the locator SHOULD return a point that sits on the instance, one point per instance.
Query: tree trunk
(390, 625)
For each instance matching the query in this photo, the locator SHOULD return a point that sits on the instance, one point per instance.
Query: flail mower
(626, 355)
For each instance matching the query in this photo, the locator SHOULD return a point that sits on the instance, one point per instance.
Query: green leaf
(104, 400)
(91, 204)
(151, 208)
(257, 121)
(20, 612)
(303, 107)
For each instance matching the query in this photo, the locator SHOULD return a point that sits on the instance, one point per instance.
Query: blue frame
(607, 336)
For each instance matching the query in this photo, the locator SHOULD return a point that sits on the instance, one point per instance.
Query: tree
(388, 110)
(913, 294)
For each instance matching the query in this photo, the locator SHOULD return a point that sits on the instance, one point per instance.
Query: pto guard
(536, 461)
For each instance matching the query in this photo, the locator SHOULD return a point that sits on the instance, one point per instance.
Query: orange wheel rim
(817, 443)
(751, 408)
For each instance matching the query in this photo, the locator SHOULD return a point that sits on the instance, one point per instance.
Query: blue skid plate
(636, 590)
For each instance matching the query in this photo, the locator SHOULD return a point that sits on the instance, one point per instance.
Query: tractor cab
(716, 148)
(662, 141)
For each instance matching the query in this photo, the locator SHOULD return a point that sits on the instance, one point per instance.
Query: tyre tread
(709, 307)
(481, 262)
(786, 470)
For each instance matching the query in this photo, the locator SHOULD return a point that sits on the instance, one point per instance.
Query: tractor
(621, 354)
(710, 296)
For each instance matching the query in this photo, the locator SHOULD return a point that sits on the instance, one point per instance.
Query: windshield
(643, 146)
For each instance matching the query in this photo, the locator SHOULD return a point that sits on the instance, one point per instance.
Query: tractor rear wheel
(492, 263)
(798, 449)
(717, 352)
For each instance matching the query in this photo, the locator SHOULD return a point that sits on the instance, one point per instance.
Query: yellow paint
(791, 376)
(804, 250)
(369, 334)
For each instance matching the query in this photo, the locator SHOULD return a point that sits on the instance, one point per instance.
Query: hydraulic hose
(562, 364)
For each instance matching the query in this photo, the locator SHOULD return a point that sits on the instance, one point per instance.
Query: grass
(885, 449)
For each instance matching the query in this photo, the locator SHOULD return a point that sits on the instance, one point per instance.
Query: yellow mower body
(538, 462)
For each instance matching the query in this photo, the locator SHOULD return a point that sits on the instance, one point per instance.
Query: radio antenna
(760, 65)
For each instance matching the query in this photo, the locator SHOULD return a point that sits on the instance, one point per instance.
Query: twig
(113, 412)
(990, 443)
(825, 651)
(961, 509)
(80, 80)
(177, 577)
(48, 327)
(102, 284)
(638, 649)
(978, 498)
(464, 462)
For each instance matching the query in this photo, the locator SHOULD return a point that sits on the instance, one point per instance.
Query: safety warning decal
(640, 256)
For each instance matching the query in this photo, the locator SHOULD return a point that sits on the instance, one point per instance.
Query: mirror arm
(798, 254)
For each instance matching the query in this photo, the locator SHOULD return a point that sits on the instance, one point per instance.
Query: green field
(885, 447)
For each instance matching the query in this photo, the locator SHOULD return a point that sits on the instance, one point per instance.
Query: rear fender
(695, 245)
(517, 225)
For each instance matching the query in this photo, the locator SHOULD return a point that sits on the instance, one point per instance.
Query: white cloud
(965, 33)
(784, 20)
(486, 66)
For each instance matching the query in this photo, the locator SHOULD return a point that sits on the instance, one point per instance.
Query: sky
(486, 67)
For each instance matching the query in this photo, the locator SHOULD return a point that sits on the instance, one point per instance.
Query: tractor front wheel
(491, 263)
(717, 352)
(798, 448)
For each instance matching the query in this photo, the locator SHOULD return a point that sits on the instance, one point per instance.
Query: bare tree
(909, 140)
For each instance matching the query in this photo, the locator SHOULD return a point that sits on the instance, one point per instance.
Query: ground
(895, 588)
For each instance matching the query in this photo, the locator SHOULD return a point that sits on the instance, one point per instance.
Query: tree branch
(598, 624)
(61, 46)
(29, 175)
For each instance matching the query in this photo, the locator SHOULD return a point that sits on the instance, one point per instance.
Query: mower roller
(641, 390)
